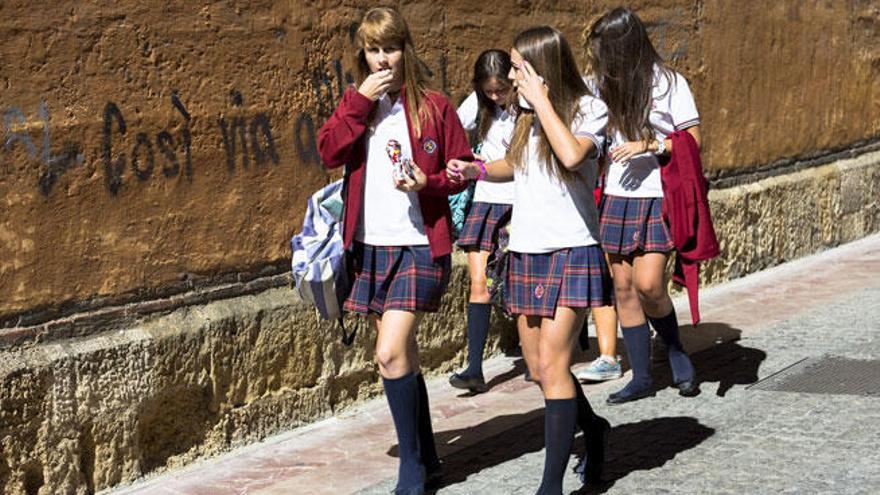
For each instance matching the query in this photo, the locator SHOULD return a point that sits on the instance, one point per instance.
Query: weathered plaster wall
(151, 147)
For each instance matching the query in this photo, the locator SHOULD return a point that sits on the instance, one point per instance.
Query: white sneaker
(602, 369)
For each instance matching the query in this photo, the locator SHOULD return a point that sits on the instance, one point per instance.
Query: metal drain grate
(826, 375)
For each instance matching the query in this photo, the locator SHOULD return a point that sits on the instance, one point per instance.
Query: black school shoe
(475, 384)
(589, 470)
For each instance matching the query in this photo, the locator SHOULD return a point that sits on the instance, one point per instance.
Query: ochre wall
(86, 212)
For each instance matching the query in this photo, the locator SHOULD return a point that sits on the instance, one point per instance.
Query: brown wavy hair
(622, 60)
(491, 63)
(547, 50)
(385, 25)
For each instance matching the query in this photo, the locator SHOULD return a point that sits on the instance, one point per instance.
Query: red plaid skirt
(628, 225)
(480, 229)
(396, 277)
(573, 277)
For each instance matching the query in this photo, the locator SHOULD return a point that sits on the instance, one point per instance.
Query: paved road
(738, 436)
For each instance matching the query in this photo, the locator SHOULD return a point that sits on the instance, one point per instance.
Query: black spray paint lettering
(236, 132)
(143, 155)
(112, 170)
(56, 165)
(306, 145)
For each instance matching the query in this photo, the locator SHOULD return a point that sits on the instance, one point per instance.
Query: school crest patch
(429, 146)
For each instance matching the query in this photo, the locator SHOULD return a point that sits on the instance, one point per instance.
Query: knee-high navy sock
(667, 327)
(560, 416)
(637, 340)
(478, 315)
(403, 400)
(426, 432)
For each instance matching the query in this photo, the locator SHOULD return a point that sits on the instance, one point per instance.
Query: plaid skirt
(480, 229)
(573, 277)
(628, 225)
(396, 277)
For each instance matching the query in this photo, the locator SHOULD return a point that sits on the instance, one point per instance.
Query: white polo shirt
(494, 147)
(389, 217)
(549, 214)
(673, 109)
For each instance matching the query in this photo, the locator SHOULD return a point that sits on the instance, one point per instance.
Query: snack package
(401, 167)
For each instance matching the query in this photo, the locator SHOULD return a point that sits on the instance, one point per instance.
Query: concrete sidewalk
(734, 437)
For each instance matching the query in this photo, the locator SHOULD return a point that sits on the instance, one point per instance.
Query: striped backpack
(319, 262)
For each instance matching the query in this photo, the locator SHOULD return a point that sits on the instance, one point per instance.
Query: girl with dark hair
(557, 269)
(484, 115)
(647, 101)
(394, 135)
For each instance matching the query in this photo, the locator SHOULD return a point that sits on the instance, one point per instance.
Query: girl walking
(647, 101)
(394, 136)
(483, 114)
(557, 269)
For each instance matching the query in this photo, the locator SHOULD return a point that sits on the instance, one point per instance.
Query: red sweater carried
(686, 210)
(341, 142)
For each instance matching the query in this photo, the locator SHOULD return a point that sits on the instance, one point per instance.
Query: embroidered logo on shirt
(429, 146)
(539, 291)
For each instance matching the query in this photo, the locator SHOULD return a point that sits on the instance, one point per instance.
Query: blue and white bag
(319, 263)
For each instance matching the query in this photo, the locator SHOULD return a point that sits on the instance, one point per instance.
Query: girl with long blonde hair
(394, 135)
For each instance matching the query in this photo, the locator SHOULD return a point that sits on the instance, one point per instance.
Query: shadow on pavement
(637, 446)
(645, 445)
(721, 358)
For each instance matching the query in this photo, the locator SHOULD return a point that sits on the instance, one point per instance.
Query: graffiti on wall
(134, 155)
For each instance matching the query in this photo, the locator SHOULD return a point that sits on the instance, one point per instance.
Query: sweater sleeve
(456, 146)
(344, 128)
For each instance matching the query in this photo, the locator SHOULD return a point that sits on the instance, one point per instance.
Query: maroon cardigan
(686, 210)
(341, 142)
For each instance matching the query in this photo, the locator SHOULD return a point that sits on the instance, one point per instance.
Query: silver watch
(661, 146)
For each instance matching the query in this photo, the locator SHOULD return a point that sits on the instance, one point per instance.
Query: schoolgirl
(557, 269)
(647, 101)
(394, 135)
(484, 116)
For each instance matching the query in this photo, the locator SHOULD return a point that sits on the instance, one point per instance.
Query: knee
(388, 357)
(651, 292)
(478, 287)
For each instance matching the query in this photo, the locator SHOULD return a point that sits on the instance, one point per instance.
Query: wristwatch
(661, 146)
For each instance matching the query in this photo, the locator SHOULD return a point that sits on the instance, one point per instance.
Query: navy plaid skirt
(627, 225)
(574, 277)
(480, 229)
(396, 277)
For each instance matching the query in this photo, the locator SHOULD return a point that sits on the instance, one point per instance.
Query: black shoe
(434, 475)
(589, 470)
(631, 393)
(475, 384)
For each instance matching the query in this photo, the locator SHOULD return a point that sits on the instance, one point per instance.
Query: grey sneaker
(600, 370)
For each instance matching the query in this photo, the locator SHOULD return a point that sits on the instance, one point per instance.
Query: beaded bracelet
(483, 170)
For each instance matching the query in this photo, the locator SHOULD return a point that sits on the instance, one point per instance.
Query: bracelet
(661, 147)
(483, 170)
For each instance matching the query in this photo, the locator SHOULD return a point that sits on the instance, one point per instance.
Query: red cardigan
(341, 142)
(686, 210)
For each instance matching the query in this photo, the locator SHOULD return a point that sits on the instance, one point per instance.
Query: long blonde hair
(549, 53)
(385, 25)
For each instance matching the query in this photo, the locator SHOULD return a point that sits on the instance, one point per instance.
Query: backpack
(496, 270)
(319, 262)
(459, 207)
(460, 204)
